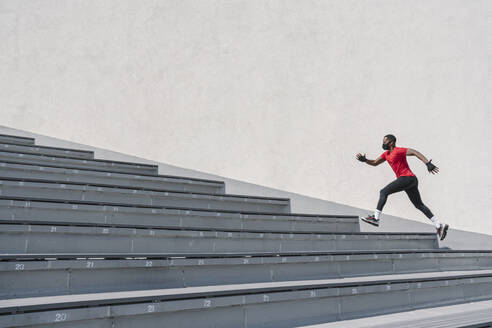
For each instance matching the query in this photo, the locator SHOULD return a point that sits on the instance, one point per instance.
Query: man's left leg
(395, 186)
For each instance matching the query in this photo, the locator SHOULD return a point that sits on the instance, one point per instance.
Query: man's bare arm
(430, 167)
(413, 152)
(372, 162)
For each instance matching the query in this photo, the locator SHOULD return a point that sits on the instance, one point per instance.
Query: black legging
(410, 185)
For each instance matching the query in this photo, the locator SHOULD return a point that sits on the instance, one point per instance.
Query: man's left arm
(413, 152)
(430, 167)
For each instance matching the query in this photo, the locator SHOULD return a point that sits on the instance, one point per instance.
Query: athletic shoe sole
(444, 232)
(376, 224)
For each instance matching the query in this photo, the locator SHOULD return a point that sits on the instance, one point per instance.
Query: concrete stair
(29, 275)
(77, 163)
(28, 238)
(17, 140)
(165, 182)
(286, 304)
(46, 151)
(49, 211)
(93, 243)
(469, 315)
(75, 191)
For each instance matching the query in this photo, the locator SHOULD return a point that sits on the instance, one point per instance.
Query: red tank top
(397, 159)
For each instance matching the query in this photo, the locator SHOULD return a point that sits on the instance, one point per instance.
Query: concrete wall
(282, 94)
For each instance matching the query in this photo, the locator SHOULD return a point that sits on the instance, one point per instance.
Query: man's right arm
(375, 162)
(371, 162)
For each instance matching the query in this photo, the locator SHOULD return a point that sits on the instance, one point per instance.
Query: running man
(405, 180)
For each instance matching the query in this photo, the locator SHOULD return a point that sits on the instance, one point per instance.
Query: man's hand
(431, 167)
(361, 157)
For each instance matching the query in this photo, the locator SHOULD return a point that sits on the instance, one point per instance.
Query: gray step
(77, 163)
(278, 304)
(51, 274)
(71, 191)
(467, 315)
(87, 213)
(16, 139)
(47, 151)
(168, 182)
(30, 238)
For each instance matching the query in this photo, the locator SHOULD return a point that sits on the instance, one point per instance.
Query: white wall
(279, 93)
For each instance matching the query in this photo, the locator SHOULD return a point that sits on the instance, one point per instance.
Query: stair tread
(42, 256)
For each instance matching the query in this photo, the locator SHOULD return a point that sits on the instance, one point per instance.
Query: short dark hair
(391, 138)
